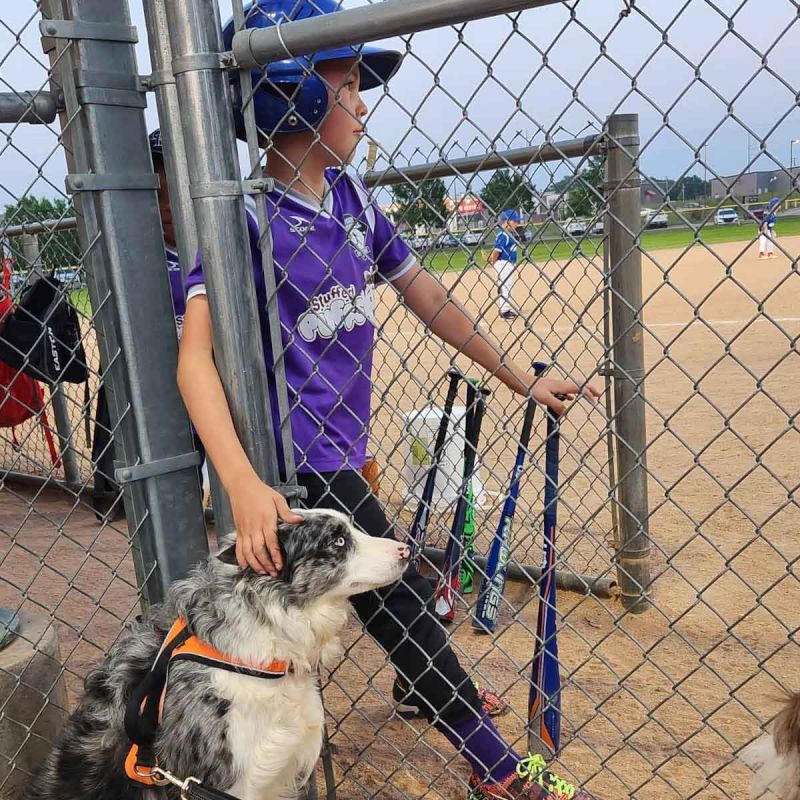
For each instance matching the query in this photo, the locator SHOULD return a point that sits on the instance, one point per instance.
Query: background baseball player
(504, 258)
(766, 239)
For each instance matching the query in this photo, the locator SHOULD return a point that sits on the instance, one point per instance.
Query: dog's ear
(228, 555)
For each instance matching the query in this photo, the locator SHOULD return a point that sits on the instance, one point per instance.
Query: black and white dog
(775, 758)
(241, 734)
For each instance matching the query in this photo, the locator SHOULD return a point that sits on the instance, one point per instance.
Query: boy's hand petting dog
(256, 510)
(549, 392)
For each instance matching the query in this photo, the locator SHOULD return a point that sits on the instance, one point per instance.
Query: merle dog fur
(226, 607)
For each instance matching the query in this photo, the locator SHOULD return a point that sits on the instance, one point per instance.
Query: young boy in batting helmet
(330, 246)
(504, 258)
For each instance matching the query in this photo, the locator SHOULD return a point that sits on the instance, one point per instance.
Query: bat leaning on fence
(447, 586)
(544, 702)
(491, 592)
(419, 528)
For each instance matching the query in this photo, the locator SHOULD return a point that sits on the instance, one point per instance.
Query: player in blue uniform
(504, 258)
(766, 239)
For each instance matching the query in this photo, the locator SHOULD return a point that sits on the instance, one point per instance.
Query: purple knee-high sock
(481, 744)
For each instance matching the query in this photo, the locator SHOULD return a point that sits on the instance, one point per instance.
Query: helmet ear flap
(282, 106)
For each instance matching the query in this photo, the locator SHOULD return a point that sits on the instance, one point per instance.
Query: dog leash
(191, 788)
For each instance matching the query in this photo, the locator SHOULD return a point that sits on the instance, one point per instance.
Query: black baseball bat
(448, 582)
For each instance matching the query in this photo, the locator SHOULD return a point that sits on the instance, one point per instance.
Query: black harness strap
(142, 713)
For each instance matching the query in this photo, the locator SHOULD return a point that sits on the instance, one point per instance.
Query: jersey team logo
(356, 232)
(342, 308)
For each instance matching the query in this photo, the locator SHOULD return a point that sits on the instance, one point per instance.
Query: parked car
(447, 240)
(471, 238)
(576, 227)
(657, 220)
(598, 227)
(726, 216)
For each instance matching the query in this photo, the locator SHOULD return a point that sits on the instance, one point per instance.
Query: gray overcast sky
(675, 62)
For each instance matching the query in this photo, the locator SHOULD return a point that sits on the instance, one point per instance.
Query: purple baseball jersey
(176, 289)
(326, 261)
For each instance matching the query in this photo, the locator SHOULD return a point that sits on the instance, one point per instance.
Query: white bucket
(421, 427)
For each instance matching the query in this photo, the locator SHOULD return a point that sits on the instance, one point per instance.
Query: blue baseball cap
(510, 215)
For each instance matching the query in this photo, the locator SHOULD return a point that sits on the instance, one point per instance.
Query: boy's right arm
(256, 507)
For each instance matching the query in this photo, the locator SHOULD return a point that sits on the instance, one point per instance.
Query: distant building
(466, 211)
(754, 185)
(654, 192)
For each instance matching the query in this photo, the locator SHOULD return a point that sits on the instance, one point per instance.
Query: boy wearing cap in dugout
(330, 246)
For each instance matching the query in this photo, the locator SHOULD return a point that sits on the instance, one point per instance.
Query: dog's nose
(404, 552)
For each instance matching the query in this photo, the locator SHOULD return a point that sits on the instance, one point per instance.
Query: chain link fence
(676, 545)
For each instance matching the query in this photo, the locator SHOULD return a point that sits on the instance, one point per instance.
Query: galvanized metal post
(625, 272)
(216, 189)
(111, 175)
(32, 257)
(72, 473)
(162, 82)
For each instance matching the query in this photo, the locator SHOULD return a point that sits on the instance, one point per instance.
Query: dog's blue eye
(339, 542)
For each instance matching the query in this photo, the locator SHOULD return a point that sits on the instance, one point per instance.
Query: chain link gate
(678, 492)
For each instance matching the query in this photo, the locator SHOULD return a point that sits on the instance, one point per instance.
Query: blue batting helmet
(510, 215)
(288, 95)
(774, 202)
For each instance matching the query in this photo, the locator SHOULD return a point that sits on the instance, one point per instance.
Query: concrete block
(33, 702)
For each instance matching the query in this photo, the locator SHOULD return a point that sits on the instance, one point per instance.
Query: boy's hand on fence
(546, 391)
(256, 510)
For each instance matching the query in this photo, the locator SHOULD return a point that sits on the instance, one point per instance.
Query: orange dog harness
(146, 705)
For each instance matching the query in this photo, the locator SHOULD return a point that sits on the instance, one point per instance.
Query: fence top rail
(33, 107)
(45, 226)
(258, 46)
(520, 156)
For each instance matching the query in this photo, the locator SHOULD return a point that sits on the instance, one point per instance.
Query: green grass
(459, 260)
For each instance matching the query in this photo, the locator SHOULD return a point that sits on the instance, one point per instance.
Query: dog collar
(146, 705)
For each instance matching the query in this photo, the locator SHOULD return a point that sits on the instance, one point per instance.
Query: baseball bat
(447, 586)
(419, 528)
(494, 580)
(544, 701)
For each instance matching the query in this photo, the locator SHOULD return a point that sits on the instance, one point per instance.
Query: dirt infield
(656, 705)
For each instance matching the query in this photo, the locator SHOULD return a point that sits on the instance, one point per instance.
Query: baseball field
(654, 705)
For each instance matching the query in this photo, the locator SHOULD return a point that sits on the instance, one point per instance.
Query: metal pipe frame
(469, 165)
(207, 120)
(32, 107)
(162, 82)
(526, 573)
(46, 226)
(120, 233)
(268, 267)
(176, 163)
(625, 276)
(259, 46)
